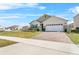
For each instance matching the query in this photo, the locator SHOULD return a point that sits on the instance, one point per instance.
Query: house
(2, 28)
(7, 29)
(49, 23)
(17, 28)
(25, 28)
(76, 21)
(14, 27)
(71, 25)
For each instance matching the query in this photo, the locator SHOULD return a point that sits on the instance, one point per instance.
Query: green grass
(19, 34)
(74, 36)
(4, 43)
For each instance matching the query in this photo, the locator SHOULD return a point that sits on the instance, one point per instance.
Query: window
(53, 24)
(34, 26)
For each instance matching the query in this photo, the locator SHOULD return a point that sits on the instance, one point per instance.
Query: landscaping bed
(4, 43)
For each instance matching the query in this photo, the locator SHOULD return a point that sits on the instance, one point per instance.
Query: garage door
(55, 28)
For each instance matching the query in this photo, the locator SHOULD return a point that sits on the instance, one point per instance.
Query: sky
(24, 13)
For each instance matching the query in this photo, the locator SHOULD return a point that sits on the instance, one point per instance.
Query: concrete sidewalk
(64, 47)
(26, 49)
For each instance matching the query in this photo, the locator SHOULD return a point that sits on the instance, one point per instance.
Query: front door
(42, 27)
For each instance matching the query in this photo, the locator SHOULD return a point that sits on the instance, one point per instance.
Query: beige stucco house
(49, 23)
(76, 21)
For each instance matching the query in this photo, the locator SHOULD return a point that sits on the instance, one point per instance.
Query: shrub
(77, 29)
(65, 30)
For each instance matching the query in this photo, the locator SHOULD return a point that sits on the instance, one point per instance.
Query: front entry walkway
(27, 49)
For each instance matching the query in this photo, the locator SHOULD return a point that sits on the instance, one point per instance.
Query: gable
(55, 20)
(43, 18)
(35, 23)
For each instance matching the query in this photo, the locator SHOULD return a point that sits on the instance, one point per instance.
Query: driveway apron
(53, 36)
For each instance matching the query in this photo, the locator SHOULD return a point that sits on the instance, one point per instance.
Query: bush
(74, 31)
(77, 29)
(37, 29)
(32, 30)
(65, 30)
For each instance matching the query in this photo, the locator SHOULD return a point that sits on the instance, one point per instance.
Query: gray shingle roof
(43, 18)
(46, 16)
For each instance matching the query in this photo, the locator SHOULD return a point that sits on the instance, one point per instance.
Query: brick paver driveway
(53, 36)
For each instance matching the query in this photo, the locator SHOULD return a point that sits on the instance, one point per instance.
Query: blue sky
(24, 13)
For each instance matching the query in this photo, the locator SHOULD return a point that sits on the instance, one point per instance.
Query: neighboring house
(2, 28)
(7, 29)
(76, 21)
(14, 27)
(71, 25)
(25, 28)
(49, 23)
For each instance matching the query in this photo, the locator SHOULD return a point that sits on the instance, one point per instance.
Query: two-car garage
(54, 27)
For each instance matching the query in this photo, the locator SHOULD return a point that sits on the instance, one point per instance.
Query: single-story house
(76, 21)
(13, 27)
(49, 23)
(71, 25)
(25, 28)
(2, 28)
(8, 29)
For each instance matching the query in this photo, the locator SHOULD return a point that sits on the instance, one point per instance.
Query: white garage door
(56, 28)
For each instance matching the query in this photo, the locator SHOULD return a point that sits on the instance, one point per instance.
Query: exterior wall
(2, 28)
(71, 26)
(8, 30)
(36, 23)
(44, 17)
(76, 21)
(54, 20)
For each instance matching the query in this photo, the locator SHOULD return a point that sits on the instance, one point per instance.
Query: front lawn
(4, 43)
(19, 34)
(74, 36)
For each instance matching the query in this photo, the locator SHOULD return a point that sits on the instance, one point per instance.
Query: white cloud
(10, 16)
(23, 1)
(70, 22)
(24, 24)
(33, 14)
(62, 16)
(35, 5)
(20, 5)
(42, 7)
(5, 7)
(31, 4)
(9, 6)
(67, 16)
(2, 21)
(75, 10)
